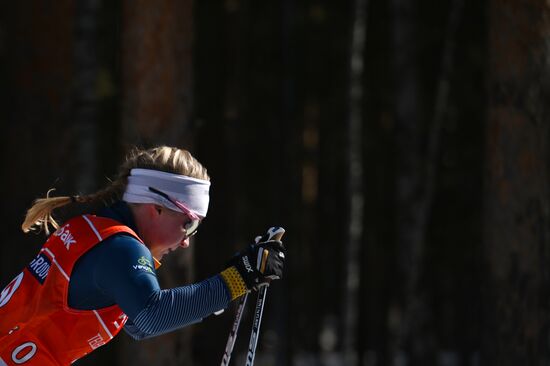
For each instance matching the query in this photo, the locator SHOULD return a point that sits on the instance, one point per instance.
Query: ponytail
(39, 216)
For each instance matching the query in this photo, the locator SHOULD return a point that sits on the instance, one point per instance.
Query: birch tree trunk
(517, 202)
(354, 185)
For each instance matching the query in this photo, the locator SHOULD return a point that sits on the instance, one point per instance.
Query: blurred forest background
(403, 144)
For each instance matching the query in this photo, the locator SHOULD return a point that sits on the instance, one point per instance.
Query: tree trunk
(409, 315)
(85, 102)
(35, 68)
(156, 100)
(354, 185)
(156, 66)
(517, 240)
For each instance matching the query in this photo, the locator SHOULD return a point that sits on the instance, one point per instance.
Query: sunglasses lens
(191, 227)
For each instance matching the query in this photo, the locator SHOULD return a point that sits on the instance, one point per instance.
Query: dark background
(403, 144)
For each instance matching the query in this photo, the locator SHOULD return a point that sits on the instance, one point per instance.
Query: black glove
(256, 265)
(260, 263)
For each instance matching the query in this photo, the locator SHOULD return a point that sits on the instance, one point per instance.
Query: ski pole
(276, 234)
(258, 313)
(233, 334)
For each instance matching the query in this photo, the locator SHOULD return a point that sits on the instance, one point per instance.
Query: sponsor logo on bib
(39, 267)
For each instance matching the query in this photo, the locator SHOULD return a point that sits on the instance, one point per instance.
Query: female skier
(96, 274)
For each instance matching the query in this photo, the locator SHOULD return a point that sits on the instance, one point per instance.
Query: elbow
(135, 332)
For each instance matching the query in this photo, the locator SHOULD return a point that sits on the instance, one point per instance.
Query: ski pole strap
(234, 282)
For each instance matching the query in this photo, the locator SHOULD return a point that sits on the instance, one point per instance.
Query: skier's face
(163, 230)
(170, 233)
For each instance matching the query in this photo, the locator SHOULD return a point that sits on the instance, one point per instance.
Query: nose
(185, 243)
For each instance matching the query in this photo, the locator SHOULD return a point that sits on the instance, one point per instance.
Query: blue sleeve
(128, 276)
(175, 308)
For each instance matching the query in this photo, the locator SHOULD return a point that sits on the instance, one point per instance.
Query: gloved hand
(256, 265)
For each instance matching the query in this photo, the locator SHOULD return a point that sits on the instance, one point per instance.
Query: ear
(155, 210)
(151, 210)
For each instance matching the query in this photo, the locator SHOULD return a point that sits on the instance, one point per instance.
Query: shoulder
(121, 257)
(124, 242)
(124, 248)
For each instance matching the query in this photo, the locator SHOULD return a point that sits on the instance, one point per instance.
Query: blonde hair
(164, 158)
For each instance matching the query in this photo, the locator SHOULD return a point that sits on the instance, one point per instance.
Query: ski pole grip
(275, 233)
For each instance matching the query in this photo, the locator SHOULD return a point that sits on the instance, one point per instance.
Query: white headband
(192, 192)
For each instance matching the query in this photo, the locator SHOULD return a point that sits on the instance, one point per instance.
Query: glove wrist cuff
(234, 281)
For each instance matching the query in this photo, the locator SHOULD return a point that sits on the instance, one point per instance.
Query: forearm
(170, 309)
